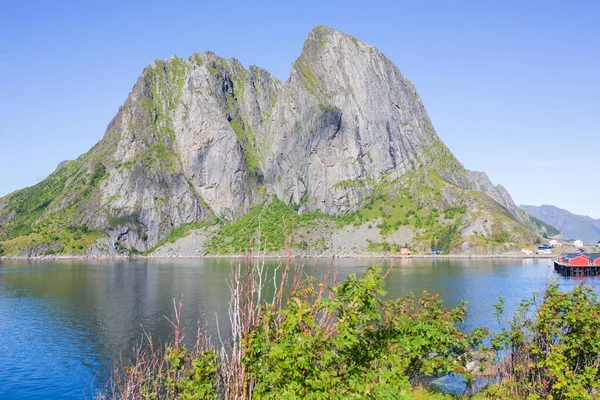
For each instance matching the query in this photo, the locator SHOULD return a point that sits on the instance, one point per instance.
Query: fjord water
(63, 323)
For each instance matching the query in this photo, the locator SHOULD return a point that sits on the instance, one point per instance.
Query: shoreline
(283, 256)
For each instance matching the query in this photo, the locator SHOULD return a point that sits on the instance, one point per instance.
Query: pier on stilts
(578, 264)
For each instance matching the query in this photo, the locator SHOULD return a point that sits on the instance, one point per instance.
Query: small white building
(555, 243)
(578, 243)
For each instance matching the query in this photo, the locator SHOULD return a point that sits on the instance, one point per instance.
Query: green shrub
(553, 347)
(446, 238)
(190, 376)
(74, 229)
(451, 212)
(354, 344)
(501, 237)
(98, 174)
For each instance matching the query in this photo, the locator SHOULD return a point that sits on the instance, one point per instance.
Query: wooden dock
(568, 270)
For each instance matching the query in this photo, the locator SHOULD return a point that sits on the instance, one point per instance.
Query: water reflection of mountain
(113, 300)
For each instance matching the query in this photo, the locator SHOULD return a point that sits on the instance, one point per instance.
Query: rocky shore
(282, 256)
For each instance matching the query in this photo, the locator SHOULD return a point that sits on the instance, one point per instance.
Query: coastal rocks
(482, 364)
(192, 245)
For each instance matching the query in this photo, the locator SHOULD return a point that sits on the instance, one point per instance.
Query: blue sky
(512, 87)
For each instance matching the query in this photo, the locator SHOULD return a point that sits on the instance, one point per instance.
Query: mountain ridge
(203, 140)
(572, 226)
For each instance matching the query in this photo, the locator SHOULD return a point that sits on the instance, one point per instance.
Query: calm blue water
(63, 323)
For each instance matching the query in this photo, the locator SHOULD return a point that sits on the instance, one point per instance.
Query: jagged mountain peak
(203, 138)
(323, 38)
(331, 59)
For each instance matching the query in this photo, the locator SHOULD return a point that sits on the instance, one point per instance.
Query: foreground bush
(318, 342)
(169, 372)
(339, 341)
(552, 347)
(352, 344)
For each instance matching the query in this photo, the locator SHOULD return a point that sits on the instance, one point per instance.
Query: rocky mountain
(202, 143)
(572, 226)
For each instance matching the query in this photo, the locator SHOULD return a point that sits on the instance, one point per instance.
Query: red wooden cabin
(581, 260)
(595, 259)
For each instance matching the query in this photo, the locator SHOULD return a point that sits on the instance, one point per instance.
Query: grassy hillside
(45, 217)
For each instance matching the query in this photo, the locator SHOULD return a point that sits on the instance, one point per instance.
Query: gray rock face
(232, 136)
(205, 137)
(345, 114)
(192, 245)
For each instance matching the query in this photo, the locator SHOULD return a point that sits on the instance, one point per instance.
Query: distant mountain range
(572, 226)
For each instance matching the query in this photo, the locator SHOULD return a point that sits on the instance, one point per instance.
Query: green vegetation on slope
(263, 227)
(543, 227)
(165, 80)
(45, 215)
(263, 224)
(392, 205)
(411, 204)
(54, 235)
(28, 205)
